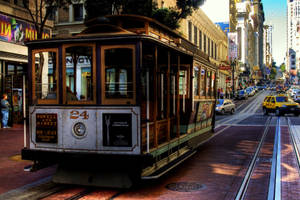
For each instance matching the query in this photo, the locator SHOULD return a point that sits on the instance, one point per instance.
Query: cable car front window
(79, 73)
(118, 73)
(45, 76)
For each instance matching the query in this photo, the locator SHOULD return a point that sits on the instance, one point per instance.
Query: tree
(40, 10)
(282, 67)
(273, 71)
(167, 16)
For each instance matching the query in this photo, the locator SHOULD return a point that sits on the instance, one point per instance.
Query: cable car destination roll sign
(46, 128)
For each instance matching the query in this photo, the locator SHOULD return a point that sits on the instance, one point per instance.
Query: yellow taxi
(280, 104)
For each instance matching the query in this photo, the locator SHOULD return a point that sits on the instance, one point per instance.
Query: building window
(195, 35)
(208, 46)
(215, 51)
(200, 40)
(190, 30)
(78, 12)
(20, 2)
(212, 49)
(52, 13)
(204, 48)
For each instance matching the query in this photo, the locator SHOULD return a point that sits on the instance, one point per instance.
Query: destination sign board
(46, 128)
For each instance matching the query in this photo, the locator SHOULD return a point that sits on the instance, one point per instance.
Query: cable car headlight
(79, 129)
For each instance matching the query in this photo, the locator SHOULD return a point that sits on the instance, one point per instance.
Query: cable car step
(163, 170)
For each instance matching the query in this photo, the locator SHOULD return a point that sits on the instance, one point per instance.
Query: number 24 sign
(74, 114)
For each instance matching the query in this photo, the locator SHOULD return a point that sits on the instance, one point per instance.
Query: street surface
(215, 172)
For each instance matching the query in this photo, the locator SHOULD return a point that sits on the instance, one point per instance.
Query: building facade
(16, 28)
(267, 49)
(293, 37)
(247, 18)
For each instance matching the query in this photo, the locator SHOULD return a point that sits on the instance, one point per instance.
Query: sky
(275, 15)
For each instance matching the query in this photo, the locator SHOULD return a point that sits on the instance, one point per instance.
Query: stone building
(249, 18)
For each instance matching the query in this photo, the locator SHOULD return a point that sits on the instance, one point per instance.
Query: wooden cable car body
(127, 98)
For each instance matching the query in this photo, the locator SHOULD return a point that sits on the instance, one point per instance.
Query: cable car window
(183, 82)
(118, 74)
(202, 82)
(213, 89)
(196, 81)
(208, 83)
(79, 74)
(44, 71)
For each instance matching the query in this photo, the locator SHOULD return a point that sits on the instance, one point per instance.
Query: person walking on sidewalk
(5, 110)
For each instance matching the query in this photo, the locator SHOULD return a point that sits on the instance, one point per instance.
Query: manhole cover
(185, 186)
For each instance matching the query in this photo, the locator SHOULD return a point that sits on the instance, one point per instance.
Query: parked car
(250, 91)
(241, 94)
(297, 97)
(225, 106)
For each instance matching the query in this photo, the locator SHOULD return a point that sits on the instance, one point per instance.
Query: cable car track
(243, 188)
(294, 142)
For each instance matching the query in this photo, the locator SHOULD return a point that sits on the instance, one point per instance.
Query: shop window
(196, 81)
(118, 75)
(45, 88)
(78, 12)
(79, 74)
(202, 82)
(10, 69)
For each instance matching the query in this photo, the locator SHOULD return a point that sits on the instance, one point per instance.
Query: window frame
(204, 82)
(116, 101)
(94, 72)
(34, 97)
(198, 80)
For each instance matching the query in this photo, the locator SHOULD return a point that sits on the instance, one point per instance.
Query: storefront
(224, 83)
(13, 62)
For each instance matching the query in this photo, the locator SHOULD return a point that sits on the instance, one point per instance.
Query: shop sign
(255, 68)
(16, 31)
(233, 46)
(225, 67)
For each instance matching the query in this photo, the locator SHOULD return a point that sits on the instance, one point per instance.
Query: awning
(13, 57)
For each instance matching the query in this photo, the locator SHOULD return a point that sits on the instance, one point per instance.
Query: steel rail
(293, 139)
(243, 188)
(274, 192)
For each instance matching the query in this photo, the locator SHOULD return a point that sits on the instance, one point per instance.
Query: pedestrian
(222, 94)
(5, 110)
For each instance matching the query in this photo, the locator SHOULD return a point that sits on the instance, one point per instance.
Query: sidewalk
(12, 175)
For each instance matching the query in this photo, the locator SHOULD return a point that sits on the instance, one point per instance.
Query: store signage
(46, 128)
(16, 31)
(225, 67)
(233, 46)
